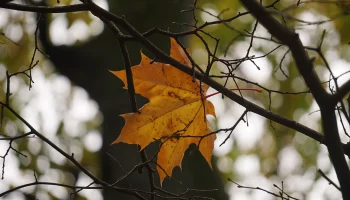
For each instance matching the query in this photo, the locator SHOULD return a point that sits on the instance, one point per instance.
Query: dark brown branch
(44, 9)
(47, 183)
(127, 64)
(332, 77)
(234, 126)
(125, 190)
(129, 77)
(71, 157)
(324, 100)
(341, 92)
(150, 173)
(11, 139)
(291, 39)
(328, 179)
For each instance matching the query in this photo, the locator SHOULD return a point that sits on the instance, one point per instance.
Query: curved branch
(69, 157)
(341, 92)
(47, 183)
(323, 99)
(125, 190)
(44, 9)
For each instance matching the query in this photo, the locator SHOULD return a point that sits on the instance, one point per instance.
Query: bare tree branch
(44, 9)
(324, 100)
(328, 179)
(341, 92)
(71, 157)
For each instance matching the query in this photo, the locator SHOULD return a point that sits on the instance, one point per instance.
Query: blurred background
(76, 102)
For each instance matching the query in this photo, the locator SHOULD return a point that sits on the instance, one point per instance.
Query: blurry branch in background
(71, 158)
(11, 139)
(328, 179)
(13, 42)
(280, 35)
(282, 194)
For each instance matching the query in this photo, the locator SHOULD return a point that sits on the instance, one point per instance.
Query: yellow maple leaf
(176, 110)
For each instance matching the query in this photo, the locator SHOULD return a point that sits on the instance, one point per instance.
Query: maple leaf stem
(245, 89)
